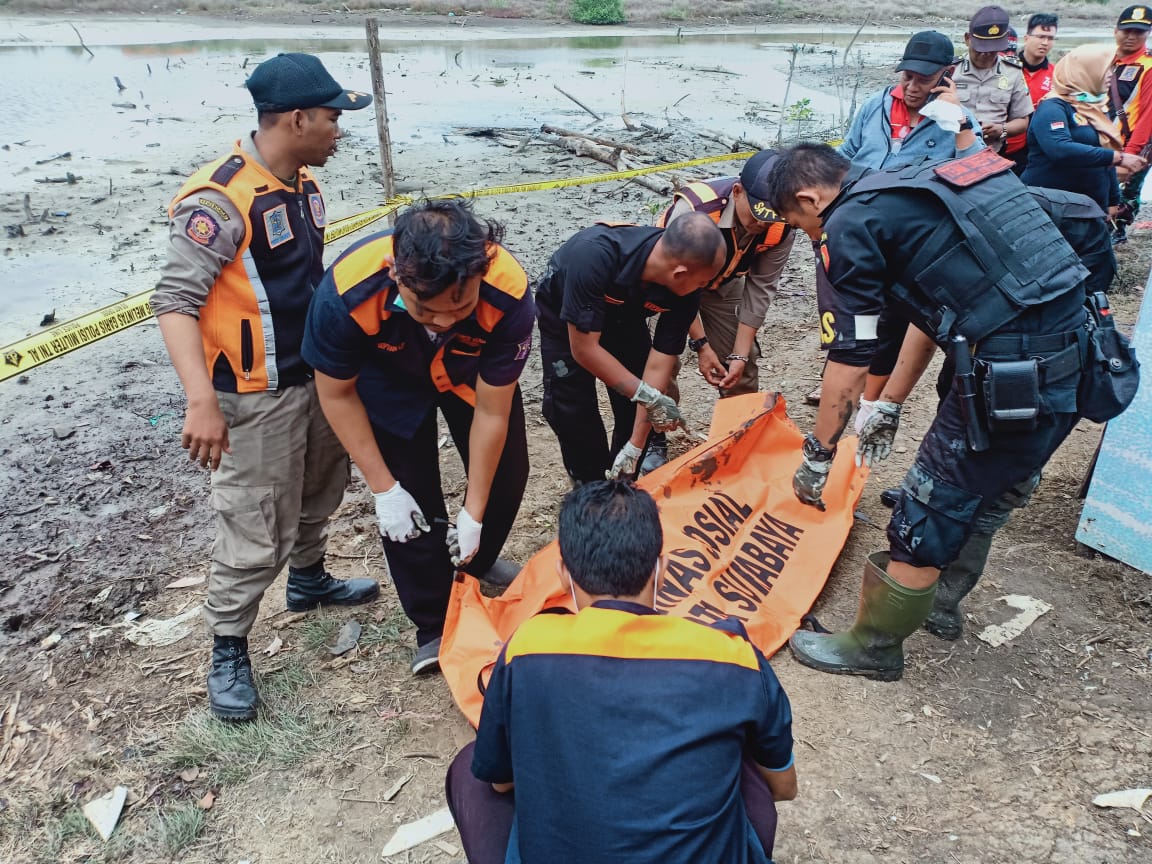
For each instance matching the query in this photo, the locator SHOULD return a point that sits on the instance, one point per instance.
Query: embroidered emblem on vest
(277, 226)
(316, 205)
(202, 228)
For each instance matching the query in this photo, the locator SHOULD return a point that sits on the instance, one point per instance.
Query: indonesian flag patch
(1059, 124)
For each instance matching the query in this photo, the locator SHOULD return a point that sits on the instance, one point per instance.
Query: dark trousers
(949, 487)
(421, 568)
(483, 816)
(571, 405)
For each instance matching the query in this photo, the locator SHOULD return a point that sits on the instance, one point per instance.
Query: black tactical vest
(1010, 255)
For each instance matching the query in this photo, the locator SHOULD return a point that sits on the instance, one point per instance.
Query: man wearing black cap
(919, 117)
(989, 85)
(245, 252)
(1131, 104)
(758, 243)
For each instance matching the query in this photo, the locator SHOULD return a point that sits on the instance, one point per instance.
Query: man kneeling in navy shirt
(627, 735)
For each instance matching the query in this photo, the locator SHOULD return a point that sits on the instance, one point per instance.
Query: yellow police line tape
(57, 341)
(343, 227)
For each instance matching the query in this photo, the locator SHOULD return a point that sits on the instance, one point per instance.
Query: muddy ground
(978, 755)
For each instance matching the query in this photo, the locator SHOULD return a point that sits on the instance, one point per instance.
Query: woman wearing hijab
(1072, 145)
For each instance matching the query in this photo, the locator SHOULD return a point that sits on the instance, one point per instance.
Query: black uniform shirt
(863, 253)
(595, 281)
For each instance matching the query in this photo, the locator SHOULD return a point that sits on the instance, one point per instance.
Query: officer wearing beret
(992, 86)
(245, 252)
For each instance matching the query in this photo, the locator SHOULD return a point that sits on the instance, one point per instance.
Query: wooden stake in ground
(372, 26)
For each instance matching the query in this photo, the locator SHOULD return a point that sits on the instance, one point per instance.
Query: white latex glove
(463, 538)
(663, 412)
(626, 462)
(948, 115)
(877, 433)
(399, 515)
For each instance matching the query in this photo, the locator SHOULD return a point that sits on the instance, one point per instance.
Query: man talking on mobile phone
(903, 124)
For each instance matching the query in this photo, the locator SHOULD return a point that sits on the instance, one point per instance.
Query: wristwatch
(697, 344)
(732, 357)
(966, 123)
(814, 451)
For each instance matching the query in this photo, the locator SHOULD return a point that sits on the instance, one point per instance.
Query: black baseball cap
(754, 179)
(1135, 18)
(988, 30)
(926, 53)
(288, 82)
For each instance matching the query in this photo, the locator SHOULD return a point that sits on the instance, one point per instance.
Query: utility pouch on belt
(1012, 394)
(1111, 372)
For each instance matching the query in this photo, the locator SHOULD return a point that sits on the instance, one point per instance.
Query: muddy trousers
(272, 496)
(483, 816)
(571, 404)
(421, 569)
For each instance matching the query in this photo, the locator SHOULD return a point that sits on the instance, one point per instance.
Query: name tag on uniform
(1129, 73)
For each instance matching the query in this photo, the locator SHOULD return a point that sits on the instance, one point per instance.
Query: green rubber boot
(956, 580)
(874, 646)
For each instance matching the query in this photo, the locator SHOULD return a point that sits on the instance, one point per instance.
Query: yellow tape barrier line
(63, 338)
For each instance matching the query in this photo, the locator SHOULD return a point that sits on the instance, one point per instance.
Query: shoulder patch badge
(277, 226)
(202, 228)
(523, 349)
(1059, 124)
(1129, 73)
(316, 205)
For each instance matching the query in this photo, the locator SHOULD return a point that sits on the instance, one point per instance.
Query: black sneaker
(427, 658)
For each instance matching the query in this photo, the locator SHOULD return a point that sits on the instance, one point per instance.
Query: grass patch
(1133, 261)
(318, 631)
(177, 830)
(384, 632)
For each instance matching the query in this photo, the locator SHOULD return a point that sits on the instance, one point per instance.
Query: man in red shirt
(1131, 104)
(1038, 41)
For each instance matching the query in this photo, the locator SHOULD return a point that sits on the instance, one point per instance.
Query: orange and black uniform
(629, 736)
(359, 328)
(252, 322)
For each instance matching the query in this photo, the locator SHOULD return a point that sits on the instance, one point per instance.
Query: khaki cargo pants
(720, 315)
(272, 496)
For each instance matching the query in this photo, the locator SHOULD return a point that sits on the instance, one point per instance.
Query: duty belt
(1063, 350)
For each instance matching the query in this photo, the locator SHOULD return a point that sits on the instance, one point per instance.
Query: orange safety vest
(1129, 73)
(399, 358)
(711, 197)
(252, 323)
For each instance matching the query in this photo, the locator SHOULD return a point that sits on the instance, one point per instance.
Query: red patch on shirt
(1059, 124)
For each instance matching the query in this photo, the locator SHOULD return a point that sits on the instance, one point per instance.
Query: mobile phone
(945, 80)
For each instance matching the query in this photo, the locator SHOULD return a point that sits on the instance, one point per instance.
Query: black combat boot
(231, 693)
(309, 587)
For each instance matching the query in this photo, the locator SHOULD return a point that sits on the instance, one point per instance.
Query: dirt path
(978, 755)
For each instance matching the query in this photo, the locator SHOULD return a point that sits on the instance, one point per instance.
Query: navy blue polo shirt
(595, 282)
(358, 326)
(623, 730)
